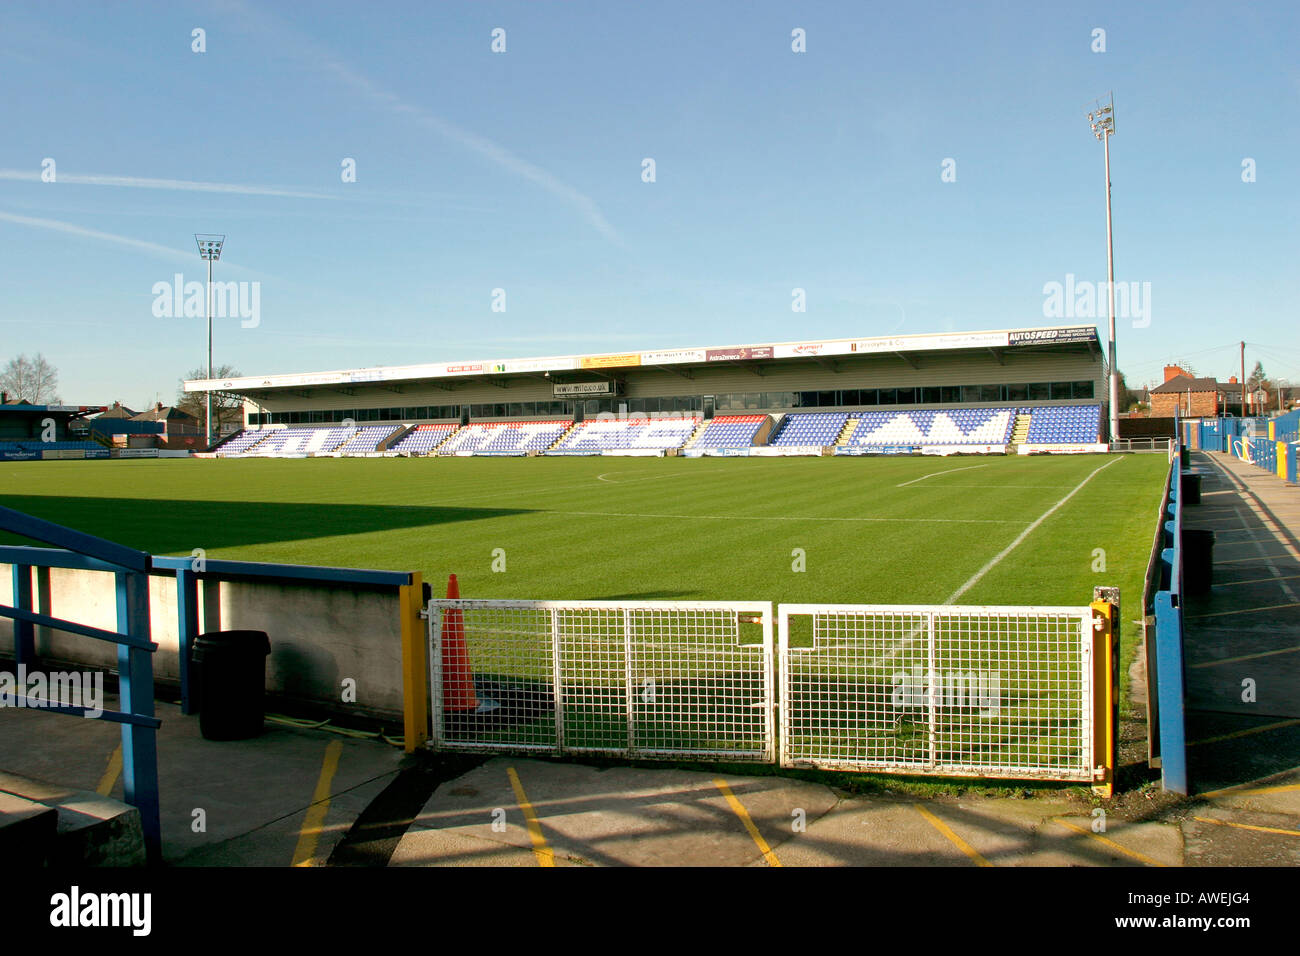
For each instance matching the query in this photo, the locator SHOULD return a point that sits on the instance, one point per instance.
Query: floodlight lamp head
(209, 246)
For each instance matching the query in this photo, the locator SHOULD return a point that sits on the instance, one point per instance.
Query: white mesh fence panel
(629, 678)
(965, 691)
(955, 691)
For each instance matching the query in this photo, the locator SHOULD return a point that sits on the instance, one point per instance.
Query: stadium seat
(366, 440)
(504, 438)
(423, 439)
(730, 431)
(1064, 425)
(810, 428)
(599, 435)
(934, 426)
(237, 446)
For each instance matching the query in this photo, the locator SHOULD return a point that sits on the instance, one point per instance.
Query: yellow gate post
(415, 665)
(1105, 683)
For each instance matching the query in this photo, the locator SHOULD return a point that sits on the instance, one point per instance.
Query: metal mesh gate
(968, 691)
(957, 691)
(630, 678)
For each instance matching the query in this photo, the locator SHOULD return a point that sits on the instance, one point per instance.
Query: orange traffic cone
(457, 677)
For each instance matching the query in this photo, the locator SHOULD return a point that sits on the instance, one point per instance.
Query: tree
(1128, 400)
(1258, 381)
(226, 409)
(30, 379)
(1258, 378)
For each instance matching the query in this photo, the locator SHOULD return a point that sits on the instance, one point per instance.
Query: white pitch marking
(933, 473)
(628, 481)
(978, 575)
(618, 514)
(975, 578)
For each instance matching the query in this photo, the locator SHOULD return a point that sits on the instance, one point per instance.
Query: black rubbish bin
(1198, 561)
(1190, 487)
(229, 676)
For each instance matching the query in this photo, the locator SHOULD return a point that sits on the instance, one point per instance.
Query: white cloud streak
(143, 182)
(54, 225)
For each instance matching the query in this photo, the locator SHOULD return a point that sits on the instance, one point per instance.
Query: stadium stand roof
(994, 341)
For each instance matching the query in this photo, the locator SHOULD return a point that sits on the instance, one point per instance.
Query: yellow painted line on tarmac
(953, 838)
(1280, 577)
(739, 810)
(1248, 826)
(1250, 791)
(114, 770)
(1244, 733)
(1245, 657)
(1245, 610)
(1262, 557)
(540, 850)
(314, 822)
(1141, 858)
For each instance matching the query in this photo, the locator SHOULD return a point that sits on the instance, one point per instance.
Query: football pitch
(962, 530)
(851, 530)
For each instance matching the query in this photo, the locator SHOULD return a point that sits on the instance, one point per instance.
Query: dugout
(21, 422)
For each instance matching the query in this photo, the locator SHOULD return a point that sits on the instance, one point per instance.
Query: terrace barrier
(131, 637)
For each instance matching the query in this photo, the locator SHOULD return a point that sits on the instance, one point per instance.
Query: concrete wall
(320, 634)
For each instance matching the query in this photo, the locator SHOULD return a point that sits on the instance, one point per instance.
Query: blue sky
(522, 171)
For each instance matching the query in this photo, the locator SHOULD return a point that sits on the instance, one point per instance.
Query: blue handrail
(132, 637)
(1168, 664)
(81, 551)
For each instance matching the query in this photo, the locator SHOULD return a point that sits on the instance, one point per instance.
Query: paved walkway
(515, 812)
(307, 797)
(223, 803)
(1243, 638)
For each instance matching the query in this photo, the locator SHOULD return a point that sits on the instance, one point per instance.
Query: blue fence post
(135, 688)
(24, 633)
(187, 628)
(1169, 651)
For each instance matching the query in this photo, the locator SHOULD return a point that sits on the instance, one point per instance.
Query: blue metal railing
(1168, 665)
(133, 639)
(135, 667)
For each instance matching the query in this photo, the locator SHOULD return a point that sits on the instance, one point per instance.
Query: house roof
(1183, 383)
(167, 413)
(119, 411)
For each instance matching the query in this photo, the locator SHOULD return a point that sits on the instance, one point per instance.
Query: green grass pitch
(881, 530)
(863, 530)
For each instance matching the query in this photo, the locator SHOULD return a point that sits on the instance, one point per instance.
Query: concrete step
(27, 831)
(88, 829)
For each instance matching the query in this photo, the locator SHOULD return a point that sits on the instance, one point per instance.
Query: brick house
(1189, 397)
(180, 428)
